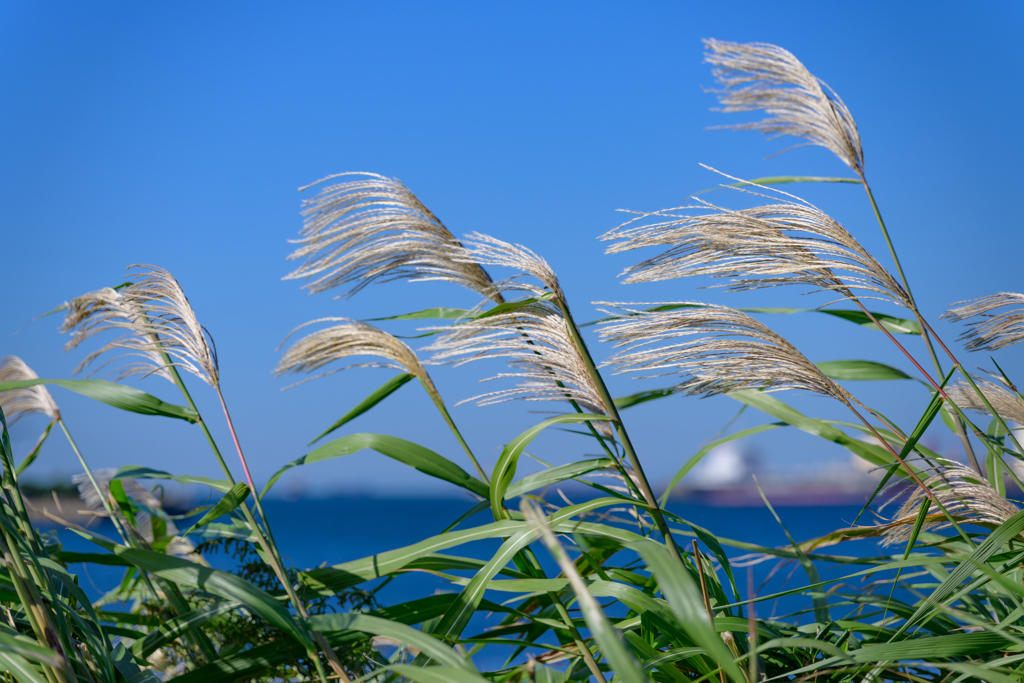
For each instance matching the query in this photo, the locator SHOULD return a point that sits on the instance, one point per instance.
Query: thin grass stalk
(925, 328)
(580, 643)
(268, 548)
(439, 403)
(751, 627)
(697, 561)
(620, 428)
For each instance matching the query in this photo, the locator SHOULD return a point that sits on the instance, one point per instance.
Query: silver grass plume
(350, 338)
(733, 353)
(788, 243)
(535, 338)
(764, 77)
(19, 403)
(376, 229)
(963, 494)
(156, 318)
(1005, 402)
(991, 330)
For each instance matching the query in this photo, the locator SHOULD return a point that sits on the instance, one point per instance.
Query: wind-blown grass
(628, 602)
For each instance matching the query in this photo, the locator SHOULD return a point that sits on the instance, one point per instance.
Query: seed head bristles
(19, 403)
(103, 310)
(789, 243)
(735, 352)
(537, 343)
(157, 317)
(764, 77)
(486, 250)
(962, 493)
(376, 229)
(351, 338)
(1007, 403)
(991, 331)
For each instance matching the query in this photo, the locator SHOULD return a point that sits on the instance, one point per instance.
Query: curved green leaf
(381, 393)
(406, 452)
(231, 500)
(436, 674)
(22, 670)
(860, 370)
(555, 475)
(425, 643)
(781, 180)
(178, 626)
(116, 395)
(139, 472)
(505, 469)
(684, 597)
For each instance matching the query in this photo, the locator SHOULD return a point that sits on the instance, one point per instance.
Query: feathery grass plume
(351, 338)
(376, 229)
(764, 77)
(788, 243)
(735, 352)
(156, 317)
(1007, 403)
(963, 494)
(19, 403)
(534, 337)
(991, 331)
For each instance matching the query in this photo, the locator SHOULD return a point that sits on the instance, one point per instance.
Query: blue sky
(177, 134)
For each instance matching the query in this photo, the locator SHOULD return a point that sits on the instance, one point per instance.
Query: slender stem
(582, 646)
(925, 328)
(627, 445)
(704, 591)
(893, 452)
(115, 519)
(436, 398)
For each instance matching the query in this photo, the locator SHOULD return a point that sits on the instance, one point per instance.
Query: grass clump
(633, 598)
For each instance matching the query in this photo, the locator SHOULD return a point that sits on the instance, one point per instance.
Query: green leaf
(31, 457)
(767, 403)
(428, 314)
(22, 670)
(699, 455)
(683, 595)
(116, 395)
(555, 475)
(139, 472)
(406, 452)
(1003, 533)
(860, 370)
(231, 500)
(425, 643)
(639, 397)
(381, 393)
(781, 180)
(29, 650)
(436, 674)
(505, 469)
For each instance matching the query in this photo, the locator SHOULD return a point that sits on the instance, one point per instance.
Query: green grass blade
(116, 395)
(555, 475)
(437, 674)
(781, 180)
(425, 643)
(860, 370)
(699, 455)
(231, 500)
(683, 595)
(406, 452)
(428, 314)
(139, 472)
(505, 469)
(177, 627)
(34, 453)
(20, 668)
(381, 393)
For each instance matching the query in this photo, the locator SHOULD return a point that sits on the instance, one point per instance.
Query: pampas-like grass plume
(19, 403)
(156, 318)
(376, 229)
(763, 77)
(991, 330)
(1005, 402)
(789, 243)
(734, 353)
(535, 338)
(963, 494)
(350, 338)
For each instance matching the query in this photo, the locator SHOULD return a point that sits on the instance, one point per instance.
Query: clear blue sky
(177, 134)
